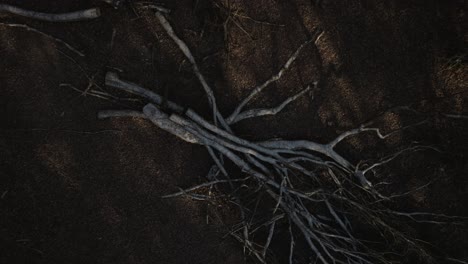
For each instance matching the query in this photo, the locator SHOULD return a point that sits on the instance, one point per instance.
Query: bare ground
(75, 189)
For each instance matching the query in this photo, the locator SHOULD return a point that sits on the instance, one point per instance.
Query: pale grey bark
(81, 15)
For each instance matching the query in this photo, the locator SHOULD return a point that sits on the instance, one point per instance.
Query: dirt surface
(75, 189)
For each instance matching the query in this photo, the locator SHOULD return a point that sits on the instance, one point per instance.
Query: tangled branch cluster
(313, 190)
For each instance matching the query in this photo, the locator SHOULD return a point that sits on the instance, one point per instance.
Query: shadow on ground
(75, 189)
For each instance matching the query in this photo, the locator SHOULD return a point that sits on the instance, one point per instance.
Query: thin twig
(268, 111)
(456, 116)
(206, 184)
(28, 28)
(272, 79)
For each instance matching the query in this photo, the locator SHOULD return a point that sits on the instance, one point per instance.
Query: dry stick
(274, 78)
(308, 145)
(269, 222)
(295, 218)
(120, 113)
(214, 171)
(184, 48)
(337, 218)
(270, 237)
(269, 111)
(28, 28)
(207, 184)
(291, 246)
(217, 161)
(87, 14)
(187, 124)
(456, 116)
(98, 94)
(248, 244)
(457, 260)
(411, 215)
(113, 80)
(246, 150)
(258, 164)
(161, 120)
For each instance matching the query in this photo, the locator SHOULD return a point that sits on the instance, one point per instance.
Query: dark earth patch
(75, 189)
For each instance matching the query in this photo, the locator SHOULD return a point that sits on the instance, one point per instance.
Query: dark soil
(75, 189)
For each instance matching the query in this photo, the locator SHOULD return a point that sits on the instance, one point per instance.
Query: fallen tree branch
(304, 179)
(81, 15)
(186, 51)
(329, 237)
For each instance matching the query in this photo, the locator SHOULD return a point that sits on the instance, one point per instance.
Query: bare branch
(120, 113)
(161, 120)
(206, 184)
(272, 79)
(307, 145)
(184, 48)
(270, 237)
(217, 161)
(268, 111)
(81, 15)
(291, 245)
(361, 129)
(456, 116)
(113, 80)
